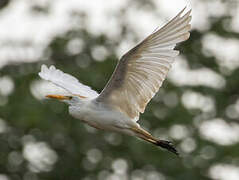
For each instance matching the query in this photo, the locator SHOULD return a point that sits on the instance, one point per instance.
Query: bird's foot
(167, 145)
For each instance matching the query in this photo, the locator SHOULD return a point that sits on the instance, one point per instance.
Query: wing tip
(185, 36)
(43, 71)
(52, 67)
(188, 12)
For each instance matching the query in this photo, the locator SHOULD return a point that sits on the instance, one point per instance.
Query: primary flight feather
(137, 77)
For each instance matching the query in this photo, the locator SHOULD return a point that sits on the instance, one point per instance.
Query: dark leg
(161, 143)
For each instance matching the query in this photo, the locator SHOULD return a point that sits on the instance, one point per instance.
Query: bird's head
(71, 99)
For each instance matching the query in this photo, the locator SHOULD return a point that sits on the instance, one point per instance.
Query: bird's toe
(167, 145)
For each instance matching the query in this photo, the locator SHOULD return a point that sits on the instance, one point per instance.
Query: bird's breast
(101, 117)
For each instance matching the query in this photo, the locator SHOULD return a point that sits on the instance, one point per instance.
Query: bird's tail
(143, 134)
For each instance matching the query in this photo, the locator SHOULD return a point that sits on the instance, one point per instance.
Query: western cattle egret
(137, 77)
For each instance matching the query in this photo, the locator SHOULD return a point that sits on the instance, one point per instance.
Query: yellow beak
(59, 97)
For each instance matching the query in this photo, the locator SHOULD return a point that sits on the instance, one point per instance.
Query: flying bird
(137, 77)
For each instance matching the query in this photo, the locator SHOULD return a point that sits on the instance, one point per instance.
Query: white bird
(137, 77)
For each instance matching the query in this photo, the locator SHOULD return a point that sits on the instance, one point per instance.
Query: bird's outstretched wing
(141, 71)
(66, 81)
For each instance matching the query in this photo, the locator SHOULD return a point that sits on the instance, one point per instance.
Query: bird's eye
(69, 97)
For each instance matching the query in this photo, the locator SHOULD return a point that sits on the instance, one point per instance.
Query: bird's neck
(78, 102)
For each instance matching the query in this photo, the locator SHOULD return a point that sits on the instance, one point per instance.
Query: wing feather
(66, 81)
(141, 71)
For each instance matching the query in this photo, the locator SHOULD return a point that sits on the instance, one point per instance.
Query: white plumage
(66, 81)
(147, 66)
(137, 77)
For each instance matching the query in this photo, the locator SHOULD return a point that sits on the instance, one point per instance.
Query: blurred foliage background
(197, 107)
